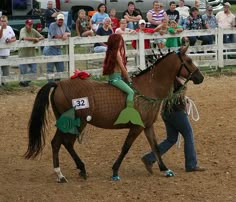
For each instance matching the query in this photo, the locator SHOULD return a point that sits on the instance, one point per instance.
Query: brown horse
(105, 103)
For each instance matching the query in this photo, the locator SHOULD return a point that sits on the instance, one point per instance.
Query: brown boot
(197, 168)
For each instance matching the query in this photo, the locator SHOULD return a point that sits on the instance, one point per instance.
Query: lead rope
(192, 111)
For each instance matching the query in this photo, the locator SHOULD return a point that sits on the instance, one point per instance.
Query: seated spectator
(172, 13)
(50, 13)
(114, 20)
(156, 15)
(195, 22)
(105, 30)
(82, 25)
(7, 35)
(57, 30)
(174, 28)
(226, 20)
(183, 12)
(98, 17)
(132, 15)
(28, 33)
(123, 29)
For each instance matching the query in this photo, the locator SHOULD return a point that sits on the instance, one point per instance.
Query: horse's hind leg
(56, 145)
(132, 135)
(149, 132)
(68, 142)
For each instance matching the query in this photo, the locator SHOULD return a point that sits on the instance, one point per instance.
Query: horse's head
(188, 69)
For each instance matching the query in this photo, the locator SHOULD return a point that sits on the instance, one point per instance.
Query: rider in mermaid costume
(114, 67)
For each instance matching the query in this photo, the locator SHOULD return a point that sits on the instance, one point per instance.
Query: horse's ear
(184, 49)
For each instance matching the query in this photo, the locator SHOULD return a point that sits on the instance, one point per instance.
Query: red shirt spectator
(142, 28)
(114, 20)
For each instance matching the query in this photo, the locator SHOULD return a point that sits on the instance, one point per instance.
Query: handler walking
(176, 121)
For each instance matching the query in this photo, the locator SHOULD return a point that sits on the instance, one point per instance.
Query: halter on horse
(105, 103)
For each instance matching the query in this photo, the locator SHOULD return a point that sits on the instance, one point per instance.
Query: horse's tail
(38, 122)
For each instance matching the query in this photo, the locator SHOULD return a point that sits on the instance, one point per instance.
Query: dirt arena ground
(34, 180)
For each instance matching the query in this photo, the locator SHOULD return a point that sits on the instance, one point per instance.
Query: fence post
(220, 48)
(71, 56)
(141, 51)
(0, 76)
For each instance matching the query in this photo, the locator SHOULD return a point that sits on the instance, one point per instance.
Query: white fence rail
(217, 57)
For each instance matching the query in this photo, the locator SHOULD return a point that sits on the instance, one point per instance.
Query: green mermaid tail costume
(129, 114)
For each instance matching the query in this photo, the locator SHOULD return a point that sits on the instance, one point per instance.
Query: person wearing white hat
(226, 20)
(57, 30)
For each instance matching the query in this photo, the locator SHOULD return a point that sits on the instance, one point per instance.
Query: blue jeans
(177, 122)
(24, 68)
(50, 66)
(100, 49)
(132, 25)
(205, 39)
(228, 38)
(4, 69)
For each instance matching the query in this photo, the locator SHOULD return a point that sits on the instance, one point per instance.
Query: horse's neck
(157, 82)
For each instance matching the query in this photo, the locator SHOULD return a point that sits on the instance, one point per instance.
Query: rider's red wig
(115, 43)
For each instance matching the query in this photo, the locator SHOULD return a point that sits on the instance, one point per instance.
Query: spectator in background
(142, 28)
(209, 18)
(50, 13)
(195, 22)
(162, 29)
(123, 29)
(132, 15)
(7, 35)
(172, 13)
(183, 12)
(114, 20)
(57, 30)
(174, 28)
(98, 17)
(156, 14)
(82, 25)
(28, 33)
(197, 4)
(147, 45)
(105, 30)
(226, 20)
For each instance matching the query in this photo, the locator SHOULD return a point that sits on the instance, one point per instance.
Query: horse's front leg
(132, 135)
(151, 137)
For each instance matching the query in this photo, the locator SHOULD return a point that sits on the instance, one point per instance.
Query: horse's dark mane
(141, 72)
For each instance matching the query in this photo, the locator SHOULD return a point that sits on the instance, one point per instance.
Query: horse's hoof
(115, 178)
(83, 175)
(62, 180)
(169, 173)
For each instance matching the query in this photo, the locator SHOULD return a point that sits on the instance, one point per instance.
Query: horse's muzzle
(197, 77)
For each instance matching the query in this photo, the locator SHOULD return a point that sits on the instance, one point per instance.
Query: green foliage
(233, 9)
